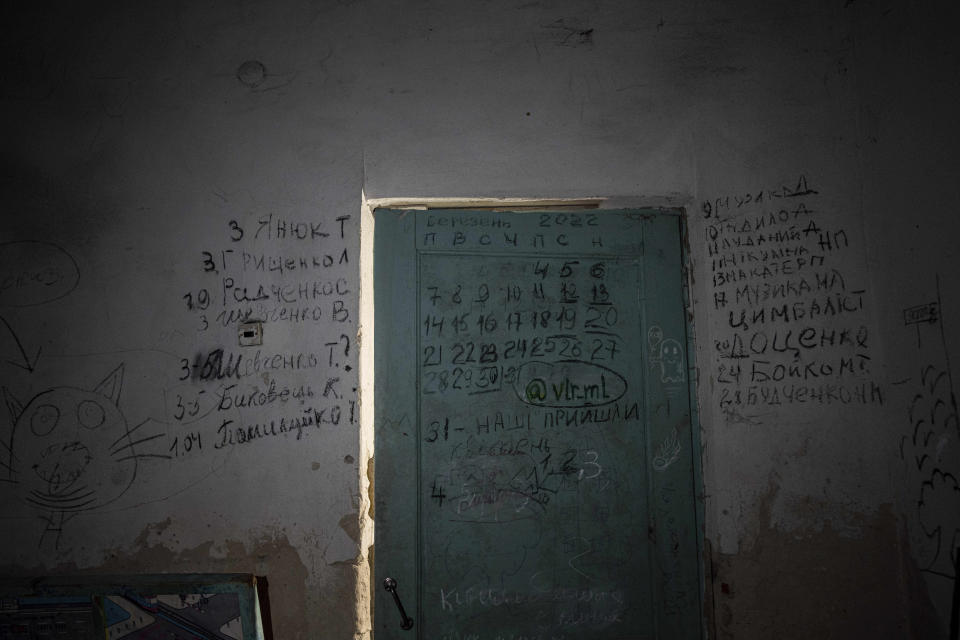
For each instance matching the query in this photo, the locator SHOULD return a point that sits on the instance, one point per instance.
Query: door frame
(366, 589)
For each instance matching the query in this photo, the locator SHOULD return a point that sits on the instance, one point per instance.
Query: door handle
(391, 585)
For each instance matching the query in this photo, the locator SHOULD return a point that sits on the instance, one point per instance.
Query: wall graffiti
(796, 331)
(71, 450)
(667, 452)
(930, 448)
(67, 450)
(925, 451)
(288, 275)
(71, 447)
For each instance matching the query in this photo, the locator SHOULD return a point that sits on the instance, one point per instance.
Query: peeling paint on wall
(813, 582)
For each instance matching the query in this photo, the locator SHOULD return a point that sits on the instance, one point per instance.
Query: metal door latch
(391, 585)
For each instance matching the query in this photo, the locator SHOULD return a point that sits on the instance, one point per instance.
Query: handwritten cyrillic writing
(286, 273)
(790, 313)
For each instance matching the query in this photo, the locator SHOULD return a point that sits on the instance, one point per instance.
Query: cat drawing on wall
(70, 450)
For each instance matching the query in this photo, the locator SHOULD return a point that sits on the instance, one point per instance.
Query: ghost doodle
(654, 338)
(671, 361)
(71, 450)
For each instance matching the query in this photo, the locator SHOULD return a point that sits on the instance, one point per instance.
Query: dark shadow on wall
(821, 583)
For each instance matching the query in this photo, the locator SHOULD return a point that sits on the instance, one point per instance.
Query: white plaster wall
(133, 138)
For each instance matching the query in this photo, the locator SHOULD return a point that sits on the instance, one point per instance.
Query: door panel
(534, 451)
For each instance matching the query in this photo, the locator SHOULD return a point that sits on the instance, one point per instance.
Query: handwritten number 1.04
(184, 445)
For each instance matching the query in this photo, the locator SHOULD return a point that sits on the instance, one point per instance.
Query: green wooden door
(536, 463)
